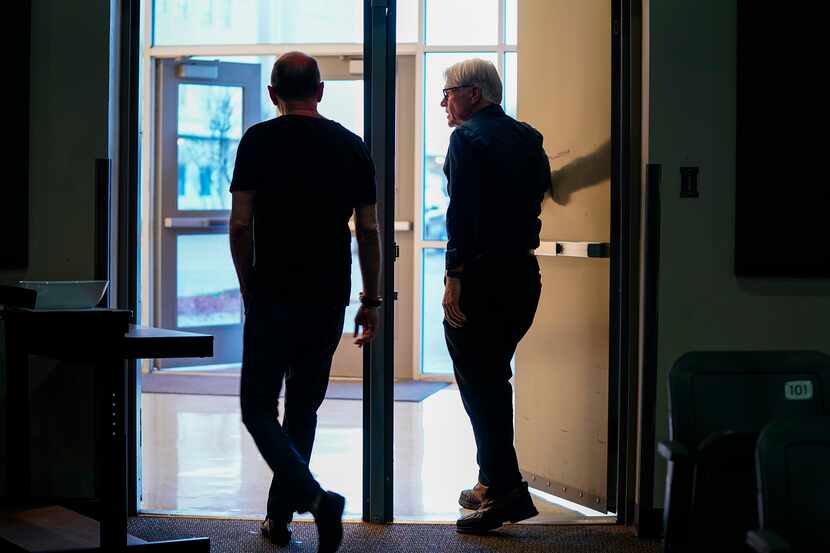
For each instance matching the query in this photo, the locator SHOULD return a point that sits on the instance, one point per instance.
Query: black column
(378, 360)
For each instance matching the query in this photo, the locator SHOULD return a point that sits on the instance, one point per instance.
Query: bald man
(298, 179)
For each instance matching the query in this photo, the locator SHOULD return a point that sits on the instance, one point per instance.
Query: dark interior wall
(691, 122)
(14, 213)
(68, 115)
(68, 129)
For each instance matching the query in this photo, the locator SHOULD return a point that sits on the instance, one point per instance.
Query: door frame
(629, 440)
(633, 434)
(227, 337)
(380, 60)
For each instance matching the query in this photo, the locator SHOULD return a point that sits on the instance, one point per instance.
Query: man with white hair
(497, 174)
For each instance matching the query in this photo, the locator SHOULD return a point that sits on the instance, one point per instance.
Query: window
(191, 22)
(207, 292)
(477, 29)
(185, 22)
(406, 29)
(510, 84)
(437, 139)
(511, 21)
(343, 102)
(462, 22)
(209, 130)
(434, 356)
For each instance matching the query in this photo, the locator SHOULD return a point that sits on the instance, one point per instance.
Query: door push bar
(574, 249)
(222, 222)
(195, 222)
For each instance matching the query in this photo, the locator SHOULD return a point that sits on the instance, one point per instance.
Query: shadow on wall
(583, 172)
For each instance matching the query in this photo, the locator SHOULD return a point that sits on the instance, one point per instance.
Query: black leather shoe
(512, 506)
(328, 517)
(276, 533)
(472, 498)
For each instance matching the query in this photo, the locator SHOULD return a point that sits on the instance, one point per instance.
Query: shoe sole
(530, 512)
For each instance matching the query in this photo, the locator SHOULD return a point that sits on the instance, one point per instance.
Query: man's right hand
(367, 317)
(452, 303)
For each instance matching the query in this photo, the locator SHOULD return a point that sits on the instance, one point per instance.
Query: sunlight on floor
(198, 459)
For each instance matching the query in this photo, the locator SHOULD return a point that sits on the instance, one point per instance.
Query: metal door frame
(379, 55)
(624, 385)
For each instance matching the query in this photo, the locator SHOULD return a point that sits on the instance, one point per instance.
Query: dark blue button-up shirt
(497, 173)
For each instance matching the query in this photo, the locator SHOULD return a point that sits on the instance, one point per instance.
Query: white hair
(479, 72)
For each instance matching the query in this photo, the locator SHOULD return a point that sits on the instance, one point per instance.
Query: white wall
(691, 121)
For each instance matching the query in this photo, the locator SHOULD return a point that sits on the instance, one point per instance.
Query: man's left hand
(367, 317)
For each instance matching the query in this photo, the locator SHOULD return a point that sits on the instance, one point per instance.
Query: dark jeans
(296, 342)
(499, 298)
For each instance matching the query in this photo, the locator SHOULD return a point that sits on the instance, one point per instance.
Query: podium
(105, 339)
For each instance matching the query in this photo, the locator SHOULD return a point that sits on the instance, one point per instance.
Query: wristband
(366, 301)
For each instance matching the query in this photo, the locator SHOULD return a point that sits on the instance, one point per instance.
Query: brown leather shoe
(472, 498)
(512, 506)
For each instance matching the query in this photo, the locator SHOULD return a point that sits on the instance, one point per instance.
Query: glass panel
(462, 22)
(343, 102)
(510, 83)
(209, 129)
(264, 63)
(178, 22)
(207, 292)
(434, 356)
(511, 21)
(354, 297)
(407, 25)
(436, 140)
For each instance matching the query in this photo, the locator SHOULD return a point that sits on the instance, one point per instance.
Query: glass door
(205, 107)
(343, 102)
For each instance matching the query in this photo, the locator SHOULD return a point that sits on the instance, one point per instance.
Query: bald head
(295, 76)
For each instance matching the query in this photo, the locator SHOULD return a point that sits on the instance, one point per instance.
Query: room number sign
(798, 389)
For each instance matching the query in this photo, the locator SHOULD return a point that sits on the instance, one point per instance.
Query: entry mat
(226, 384)
(243, 536)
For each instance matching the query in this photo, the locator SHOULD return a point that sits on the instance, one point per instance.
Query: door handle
(195, 222)
(400, 226)
(574, 249)
(222, 222)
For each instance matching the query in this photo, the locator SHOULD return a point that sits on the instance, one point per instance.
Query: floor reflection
(198, 459)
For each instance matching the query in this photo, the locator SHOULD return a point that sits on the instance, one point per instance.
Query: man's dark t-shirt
(309, 174)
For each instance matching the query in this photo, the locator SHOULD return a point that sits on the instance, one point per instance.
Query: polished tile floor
(198, 459)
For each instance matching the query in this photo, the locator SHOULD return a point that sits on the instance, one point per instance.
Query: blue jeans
(295, 342)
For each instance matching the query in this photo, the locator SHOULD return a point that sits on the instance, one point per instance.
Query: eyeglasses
(447, 90)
